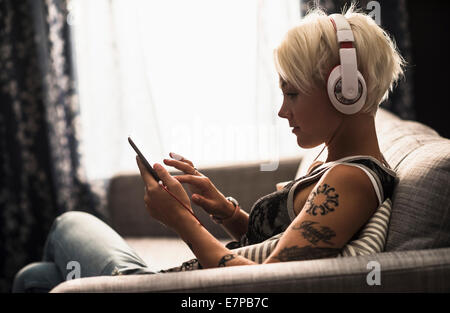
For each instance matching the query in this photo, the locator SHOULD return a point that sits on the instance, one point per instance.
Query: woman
(312, 217)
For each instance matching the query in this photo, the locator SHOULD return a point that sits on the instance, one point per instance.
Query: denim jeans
(79, 245)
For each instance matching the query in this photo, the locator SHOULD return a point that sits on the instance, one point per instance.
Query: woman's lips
(295, 129)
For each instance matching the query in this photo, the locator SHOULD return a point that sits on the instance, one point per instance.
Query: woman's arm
(209, 251)
(338, 206)
(178, 216)
(340, 203)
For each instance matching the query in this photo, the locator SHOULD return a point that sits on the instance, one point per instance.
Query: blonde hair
(309, 51)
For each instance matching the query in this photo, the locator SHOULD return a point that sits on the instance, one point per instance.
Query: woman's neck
(355, 136)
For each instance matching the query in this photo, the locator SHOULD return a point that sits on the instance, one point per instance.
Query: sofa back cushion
(421, 202)
(421, 214)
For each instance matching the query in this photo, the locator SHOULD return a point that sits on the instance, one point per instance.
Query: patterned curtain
(40, 168)
(394, 20)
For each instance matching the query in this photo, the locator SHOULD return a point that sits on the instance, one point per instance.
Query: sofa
(416, 256)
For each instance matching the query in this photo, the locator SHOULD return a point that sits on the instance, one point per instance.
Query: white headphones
(346, 86)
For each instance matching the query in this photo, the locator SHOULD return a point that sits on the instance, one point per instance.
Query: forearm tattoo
(314, 235)
(296, 253)
(225, 259)
(325, 199)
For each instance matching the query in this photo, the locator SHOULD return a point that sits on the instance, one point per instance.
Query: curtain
(41, 172)
(394, 19)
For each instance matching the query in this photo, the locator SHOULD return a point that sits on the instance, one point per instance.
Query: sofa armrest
(401, 271)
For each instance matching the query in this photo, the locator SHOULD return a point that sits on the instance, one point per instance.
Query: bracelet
(219, 220)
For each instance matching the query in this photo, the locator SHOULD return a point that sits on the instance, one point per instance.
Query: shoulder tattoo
(324, 199)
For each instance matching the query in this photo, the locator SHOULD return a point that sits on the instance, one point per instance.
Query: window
(193, 77)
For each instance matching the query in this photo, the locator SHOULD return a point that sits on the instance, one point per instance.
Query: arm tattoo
(314, 235)
(225, 259)
(296, 253)
(324, 198)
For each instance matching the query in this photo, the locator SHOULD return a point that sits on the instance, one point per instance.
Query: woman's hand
(160, 204)
(204, 193)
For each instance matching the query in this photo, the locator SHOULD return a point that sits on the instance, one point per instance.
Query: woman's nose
(283, 113)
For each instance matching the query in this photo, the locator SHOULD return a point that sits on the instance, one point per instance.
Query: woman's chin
(305, 144)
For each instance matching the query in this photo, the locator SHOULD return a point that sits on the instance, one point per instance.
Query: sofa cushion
(421, 217)
(421, 212)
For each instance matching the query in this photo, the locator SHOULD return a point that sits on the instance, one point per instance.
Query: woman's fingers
(165, 176)
(196, 181)
(181, 158)
(202, 201)
(187, 168)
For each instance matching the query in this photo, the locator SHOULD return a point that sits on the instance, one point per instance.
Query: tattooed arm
(340, 203)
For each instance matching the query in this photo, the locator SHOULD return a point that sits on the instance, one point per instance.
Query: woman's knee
(73, 217)
(62, 230)
(70, 219)
(37, 277)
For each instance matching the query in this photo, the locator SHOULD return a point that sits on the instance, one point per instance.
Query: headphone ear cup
(342, 104)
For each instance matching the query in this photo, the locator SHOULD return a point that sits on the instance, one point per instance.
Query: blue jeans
(79, 245)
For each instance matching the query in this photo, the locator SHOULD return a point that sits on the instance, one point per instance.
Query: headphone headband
(347, 54)
(342, 27)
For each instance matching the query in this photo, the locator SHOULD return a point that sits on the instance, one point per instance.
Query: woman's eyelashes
(290, 95)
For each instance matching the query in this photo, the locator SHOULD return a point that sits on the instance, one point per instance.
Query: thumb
(166, 178)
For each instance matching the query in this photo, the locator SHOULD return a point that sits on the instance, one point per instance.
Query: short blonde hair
(309, 51)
